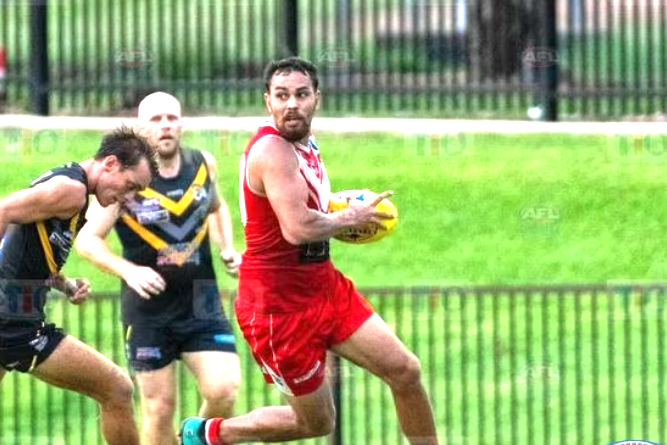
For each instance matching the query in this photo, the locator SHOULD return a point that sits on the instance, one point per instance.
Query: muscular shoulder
(196, 157)
(192, 155)
(58, 196)
(271, 157)
(68, 195)
(209, 159)
(272, 149)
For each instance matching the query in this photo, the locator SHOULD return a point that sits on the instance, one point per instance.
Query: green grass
(473, 209)
(470, 208)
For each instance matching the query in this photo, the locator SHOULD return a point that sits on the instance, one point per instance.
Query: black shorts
(148, 348)
(26, 344)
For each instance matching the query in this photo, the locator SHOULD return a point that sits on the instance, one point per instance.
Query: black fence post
(39, 59)
(291, 25)
(549, 81)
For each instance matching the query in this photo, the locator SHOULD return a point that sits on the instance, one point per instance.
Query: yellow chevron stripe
(153, 240)
(178, 207)
(46, 247)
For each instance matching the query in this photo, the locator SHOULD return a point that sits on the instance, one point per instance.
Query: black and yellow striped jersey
(166, 228)
(30, 253)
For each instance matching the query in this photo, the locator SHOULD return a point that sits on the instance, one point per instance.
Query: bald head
(159, 120)
(158, 103)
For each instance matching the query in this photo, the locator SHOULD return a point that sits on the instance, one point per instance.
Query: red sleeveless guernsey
(277, 276)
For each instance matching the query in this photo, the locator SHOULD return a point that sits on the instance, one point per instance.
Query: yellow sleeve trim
(46, 247)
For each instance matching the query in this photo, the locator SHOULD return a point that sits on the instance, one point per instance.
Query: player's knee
(406, 375)
(323, 428)
(160, 407)
(119, 389)
(317, 422)
(224, 391)
(320, 425)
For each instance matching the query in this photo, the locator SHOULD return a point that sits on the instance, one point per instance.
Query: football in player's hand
(368, 232)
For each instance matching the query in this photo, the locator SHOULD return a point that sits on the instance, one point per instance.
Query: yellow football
(366, 233)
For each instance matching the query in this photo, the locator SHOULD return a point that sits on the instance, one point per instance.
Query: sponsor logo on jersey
(145, 217)
(199, 193)
(178, 254)
(175, 193)
(148, 211)
(61, 239)
(148, 204)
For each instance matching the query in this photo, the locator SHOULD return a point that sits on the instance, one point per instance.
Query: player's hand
(144, 281)
(231, 259)
(77, 290)
(365, 212)
(80, 288)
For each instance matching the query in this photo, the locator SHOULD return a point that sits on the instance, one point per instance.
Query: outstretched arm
(220, 224)
(273, 170)
(91, 244)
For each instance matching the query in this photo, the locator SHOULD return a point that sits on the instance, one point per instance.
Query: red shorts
(291, 347)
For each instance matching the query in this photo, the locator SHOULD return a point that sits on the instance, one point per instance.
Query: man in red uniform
(293, 305)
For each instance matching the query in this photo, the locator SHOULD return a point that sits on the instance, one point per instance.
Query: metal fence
(547, 59)
(517, 365)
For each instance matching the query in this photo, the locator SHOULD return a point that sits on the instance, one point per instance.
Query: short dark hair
(287, 66)
(128, 147)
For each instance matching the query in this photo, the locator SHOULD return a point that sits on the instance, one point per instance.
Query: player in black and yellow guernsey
(171, 307)
(37, 228)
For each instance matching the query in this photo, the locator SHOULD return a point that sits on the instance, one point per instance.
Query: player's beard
(294, 130)
(167, 148)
